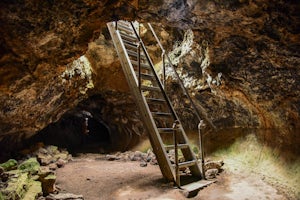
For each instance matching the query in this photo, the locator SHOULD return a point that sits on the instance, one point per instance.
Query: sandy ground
(96, 179)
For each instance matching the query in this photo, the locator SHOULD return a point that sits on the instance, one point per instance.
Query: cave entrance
(78, 132)
(97, 135)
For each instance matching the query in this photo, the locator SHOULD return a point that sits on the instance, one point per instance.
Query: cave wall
(254, 44)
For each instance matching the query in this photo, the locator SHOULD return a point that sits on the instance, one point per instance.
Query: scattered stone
(143, 164)
(34, 190)
(112, 157)
(214, 165)
(60, 163)
(16, 186)
(148, 157)
(9, 165)
(63, 156)
(53, 150)
(30, 165)
(211, 173)
(52, 166)
(47, 178)
(64, 196)
(29, 180)
(45, 159)
(48, 185)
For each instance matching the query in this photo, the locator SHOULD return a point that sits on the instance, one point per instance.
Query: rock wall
(253, 44)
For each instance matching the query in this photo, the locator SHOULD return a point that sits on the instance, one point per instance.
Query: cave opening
(77, 131)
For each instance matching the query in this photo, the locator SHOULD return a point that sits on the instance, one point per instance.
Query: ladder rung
(130, 45)
(161, 114)
(125, 28)
(150, 88)
(128, 37)
(180, 146)
(130, 42)
(147, 76)
(143, 65)
(186, 164)
(165, 130)
(154, 100)
(124, 23)
(134, 53)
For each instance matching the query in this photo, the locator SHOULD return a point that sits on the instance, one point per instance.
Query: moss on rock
(9, 165)
(31, 165)
(16, 187)
(34, 190)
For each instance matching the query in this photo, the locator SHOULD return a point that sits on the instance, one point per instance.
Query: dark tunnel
(77, 132)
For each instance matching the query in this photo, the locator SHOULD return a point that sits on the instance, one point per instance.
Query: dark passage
(78, 132)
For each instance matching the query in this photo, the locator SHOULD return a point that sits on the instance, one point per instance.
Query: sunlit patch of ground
(247, 155)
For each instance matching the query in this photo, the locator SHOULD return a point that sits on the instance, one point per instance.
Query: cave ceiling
(253, 44)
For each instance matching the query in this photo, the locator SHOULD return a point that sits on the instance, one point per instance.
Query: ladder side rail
(164, 164)
(179, 79)
(155, 74)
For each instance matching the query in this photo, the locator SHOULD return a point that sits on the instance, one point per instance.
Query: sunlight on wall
(82, 69)
(180, 49)
(200, 54)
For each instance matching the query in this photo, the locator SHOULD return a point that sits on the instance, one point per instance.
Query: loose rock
(64, 196)
(143, 164)
(9, 165)
(211, 173)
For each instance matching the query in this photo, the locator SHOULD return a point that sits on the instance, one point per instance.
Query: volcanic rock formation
(241, 63)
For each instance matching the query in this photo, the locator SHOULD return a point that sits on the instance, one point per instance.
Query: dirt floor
(96, 179)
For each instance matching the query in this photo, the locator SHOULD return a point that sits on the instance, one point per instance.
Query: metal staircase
(157, 112)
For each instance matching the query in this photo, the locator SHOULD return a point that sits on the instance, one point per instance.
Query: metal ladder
(157, 112)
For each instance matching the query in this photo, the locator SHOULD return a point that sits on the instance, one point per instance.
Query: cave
(77, 132)
(62, 82)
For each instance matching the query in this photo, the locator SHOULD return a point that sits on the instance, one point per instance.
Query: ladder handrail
(153, 70)
(178, 78)
(128, 35)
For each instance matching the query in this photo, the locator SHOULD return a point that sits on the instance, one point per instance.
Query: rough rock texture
(254, 44)
(38, 41)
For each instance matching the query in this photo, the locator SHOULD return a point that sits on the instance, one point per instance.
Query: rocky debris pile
(62, 196)
(212, 168)
(34, 176)
(143, 158)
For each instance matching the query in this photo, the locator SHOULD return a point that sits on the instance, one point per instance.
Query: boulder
(60, 163)
(64, 196)
(9, 165)
(47, 178)
(143, 164)
(211, 173)
(31, 165)
(48, 184)
(45, 159)
(214, 165)
(34, 190)
(112, 157)
(51, 149)
(17, 186)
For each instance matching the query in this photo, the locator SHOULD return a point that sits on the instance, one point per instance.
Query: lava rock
(211, 173)
(9, 165)
(143, 164)
(30, 165)
(64, 196)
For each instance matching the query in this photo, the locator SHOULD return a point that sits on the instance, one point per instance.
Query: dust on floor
(98, 179)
